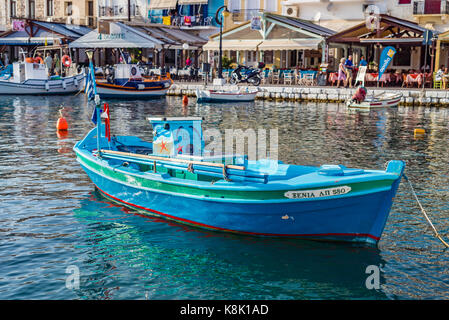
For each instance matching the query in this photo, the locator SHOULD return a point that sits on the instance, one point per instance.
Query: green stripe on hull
(141, 182)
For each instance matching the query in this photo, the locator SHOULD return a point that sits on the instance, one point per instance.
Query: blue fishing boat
(175, 178)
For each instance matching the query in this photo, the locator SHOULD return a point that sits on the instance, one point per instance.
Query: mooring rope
(424, 212)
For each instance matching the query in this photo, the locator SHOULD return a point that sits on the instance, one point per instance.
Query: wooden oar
(210, 164)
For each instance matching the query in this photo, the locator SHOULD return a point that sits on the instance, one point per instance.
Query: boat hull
(216, 96)
(67, 85)
(359, 218)
(106, 90)
(377, 104)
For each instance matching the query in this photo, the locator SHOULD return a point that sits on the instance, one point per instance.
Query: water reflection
(195, 263)
(50, 218)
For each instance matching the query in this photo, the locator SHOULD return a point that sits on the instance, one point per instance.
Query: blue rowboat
(172, 178)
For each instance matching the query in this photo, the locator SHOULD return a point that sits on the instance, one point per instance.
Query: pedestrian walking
(349, 67)
(341, 73)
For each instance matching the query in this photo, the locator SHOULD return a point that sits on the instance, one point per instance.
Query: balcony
(118, 12)
(430, 7)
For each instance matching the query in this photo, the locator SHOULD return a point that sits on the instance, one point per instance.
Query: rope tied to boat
(424, 212)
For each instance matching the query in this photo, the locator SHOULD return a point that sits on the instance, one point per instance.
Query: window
(234, 5)
(50, 8)
(13, 8)
(68, 8)
(271, 6)
(31, 9)
(268, 57)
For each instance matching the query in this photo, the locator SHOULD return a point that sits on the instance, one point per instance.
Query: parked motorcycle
(247, 74)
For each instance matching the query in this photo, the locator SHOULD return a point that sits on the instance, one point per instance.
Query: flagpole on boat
(91, 74)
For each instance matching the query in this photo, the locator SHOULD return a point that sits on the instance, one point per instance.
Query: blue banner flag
(94, 116)
(385, 59)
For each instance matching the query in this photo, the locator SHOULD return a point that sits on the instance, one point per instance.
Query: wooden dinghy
(205, 95)
(384, 100)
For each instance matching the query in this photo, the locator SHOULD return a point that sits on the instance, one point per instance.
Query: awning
(33, 41)
(232, 45)
(162, 4)
(21, 38)
(392, 40)
(192, 1)
(183, 36)
(120, 36)
(284, 44)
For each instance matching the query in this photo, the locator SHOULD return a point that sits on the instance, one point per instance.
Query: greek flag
(89, 85)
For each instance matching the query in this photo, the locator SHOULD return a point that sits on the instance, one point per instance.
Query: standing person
(188, 62)
(57, 65)
(349, 66)
(341, 73)
(6, 59)
(49, 63)
(363, 62)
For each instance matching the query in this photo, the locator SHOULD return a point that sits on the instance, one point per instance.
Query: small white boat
(384, 100)
(225, 96)
(32, 78)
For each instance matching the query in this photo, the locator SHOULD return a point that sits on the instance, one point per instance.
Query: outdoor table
(372, 77)
(414, 78)
(184, 72)
(155, 71)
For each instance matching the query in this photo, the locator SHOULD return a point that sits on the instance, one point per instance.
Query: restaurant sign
(112, 36)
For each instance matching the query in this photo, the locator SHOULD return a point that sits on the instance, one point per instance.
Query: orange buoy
(61, 124)
(419, 131)
(185, 100)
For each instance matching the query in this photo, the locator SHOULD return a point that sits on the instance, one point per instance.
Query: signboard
(319, 193)
(361, 75)
(18, 25)
(104, 27)
(385, 58)
(256, 23)
(428, 34)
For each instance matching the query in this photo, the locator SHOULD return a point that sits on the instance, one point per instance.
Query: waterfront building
(77, 12)
(341, 15)
(278, 41)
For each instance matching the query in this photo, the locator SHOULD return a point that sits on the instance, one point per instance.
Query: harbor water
(52, 221)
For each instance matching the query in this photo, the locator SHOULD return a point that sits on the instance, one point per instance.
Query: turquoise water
(52, 218)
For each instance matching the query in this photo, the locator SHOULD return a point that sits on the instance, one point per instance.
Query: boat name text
(319, 193)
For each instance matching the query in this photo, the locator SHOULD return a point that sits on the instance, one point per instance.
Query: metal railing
(118, 11)
(423, 7)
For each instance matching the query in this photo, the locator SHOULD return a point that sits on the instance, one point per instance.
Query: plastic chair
(288, 77)
(437, 84)
(276, 77)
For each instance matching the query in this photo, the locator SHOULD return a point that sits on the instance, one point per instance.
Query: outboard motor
(359, 95)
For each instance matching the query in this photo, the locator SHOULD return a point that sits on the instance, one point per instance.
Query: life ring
(66, 61)
(38, 60)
